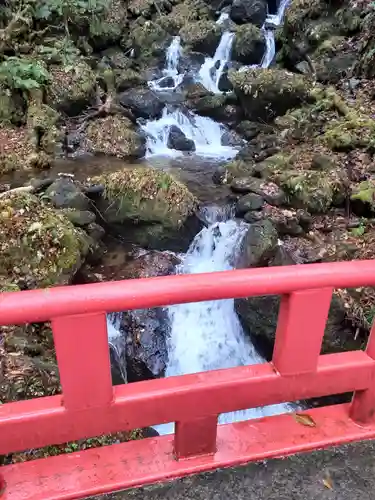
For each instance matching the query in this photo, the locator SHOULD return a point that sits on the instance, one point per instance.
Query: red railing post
(81, 344)
(196, 437)
(363, 404)
(300, 329)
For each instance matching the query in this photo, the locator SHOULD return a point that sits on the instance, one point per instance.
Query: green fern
(23, 74)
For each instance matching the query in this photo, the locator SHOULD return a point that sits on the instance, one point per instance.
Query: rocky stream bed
(148, 137)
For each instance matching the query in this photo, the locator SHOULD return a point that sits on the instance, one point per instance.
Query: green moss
(185, 13)
(364, 192)
(38, 245)
(300, 12)
(146, 195)
(248, 44)
(355, 130)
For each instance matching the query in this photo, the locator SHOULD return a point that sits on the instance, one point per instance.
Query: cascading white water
(172, 58)
(212, 68)
(270, 51)
(205, 133)
(208, 335)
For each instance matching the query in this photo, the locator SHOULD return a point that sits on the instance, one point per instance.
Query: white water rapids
(208, 335)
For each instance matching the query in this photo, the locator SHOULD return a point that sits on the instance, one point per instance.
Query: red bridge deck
(90, 406)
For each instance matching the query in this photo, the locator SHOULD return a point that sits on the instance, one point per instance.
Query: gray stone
(249, 202)
(249, 11)
(272, 193)
(259, 245)
(64, 193)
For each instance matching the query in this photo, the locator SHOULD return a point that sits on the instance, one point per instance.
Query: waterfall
(170, 71)
(208, 335)
(269, 53)
(212, 68)
(205, 133)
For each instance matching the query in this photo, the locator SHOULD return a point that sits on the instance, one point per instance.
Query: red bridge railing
(89, 405)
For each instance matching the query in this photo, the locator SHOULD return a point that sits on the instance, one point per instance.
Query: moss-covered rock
(363, 196)
(11, 107)
(42, 122)
(300, 12)
(71, 88)
(116, 136)
(38, 245)
(108, 29)
(267, 93)
(149, 40)
(354, 130)
(201, 36)
(248, 44)
(310, 182)
(146, 195)
(184, 13)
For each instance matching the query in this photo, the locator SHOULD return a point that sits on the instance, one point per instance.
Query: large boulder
(201, 36)
(248, 45)
(267, 93)
(249, 11)
(185, 12)
(149, 207)
(39, 246)
(71, 88)
(143, 102)
(114, 135)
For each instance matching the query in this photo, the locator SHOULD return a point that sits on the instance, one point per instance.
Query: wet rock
(201, 36)
(190, 62)
(143, 102)
(268, 190)
(249, 11)
(178, 140)
(249, 130)
(149, 41)
(145, 331)
(114, 135)
(225, 85)
(267, 93)
(332, 68)
(167, 81)
(231, 138)
(146, 351)
(248, 45)
(64, 193)
(248, 203)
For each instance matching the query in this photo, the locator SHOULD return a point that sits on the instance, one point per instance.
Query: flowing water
(207, 335)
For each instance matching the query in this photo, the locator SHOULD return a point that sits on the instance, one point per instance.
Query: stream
(207, 335)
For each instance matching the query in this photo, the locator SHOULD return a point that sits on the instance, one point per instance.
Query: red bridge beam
(42, 305)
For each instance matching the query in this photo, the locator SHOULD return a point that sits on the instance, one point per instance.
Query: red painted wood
(41, 422)
(81, 344)
(300, 331)
(42, 305)
(89, 405)
(195, 437)
(363, 404)
(127, 465)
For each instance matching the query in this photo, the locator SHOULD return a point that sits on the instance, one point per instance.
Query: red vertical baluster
(363, 405)
(81, 345)
(196, 437)
(300, 329)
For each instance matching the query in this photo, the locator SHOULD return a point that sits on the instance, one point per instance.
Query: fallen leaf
(328, 482)
(304, 419)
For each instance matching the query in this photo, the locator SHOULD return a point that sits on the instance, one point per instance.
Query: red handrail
(90, 406)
